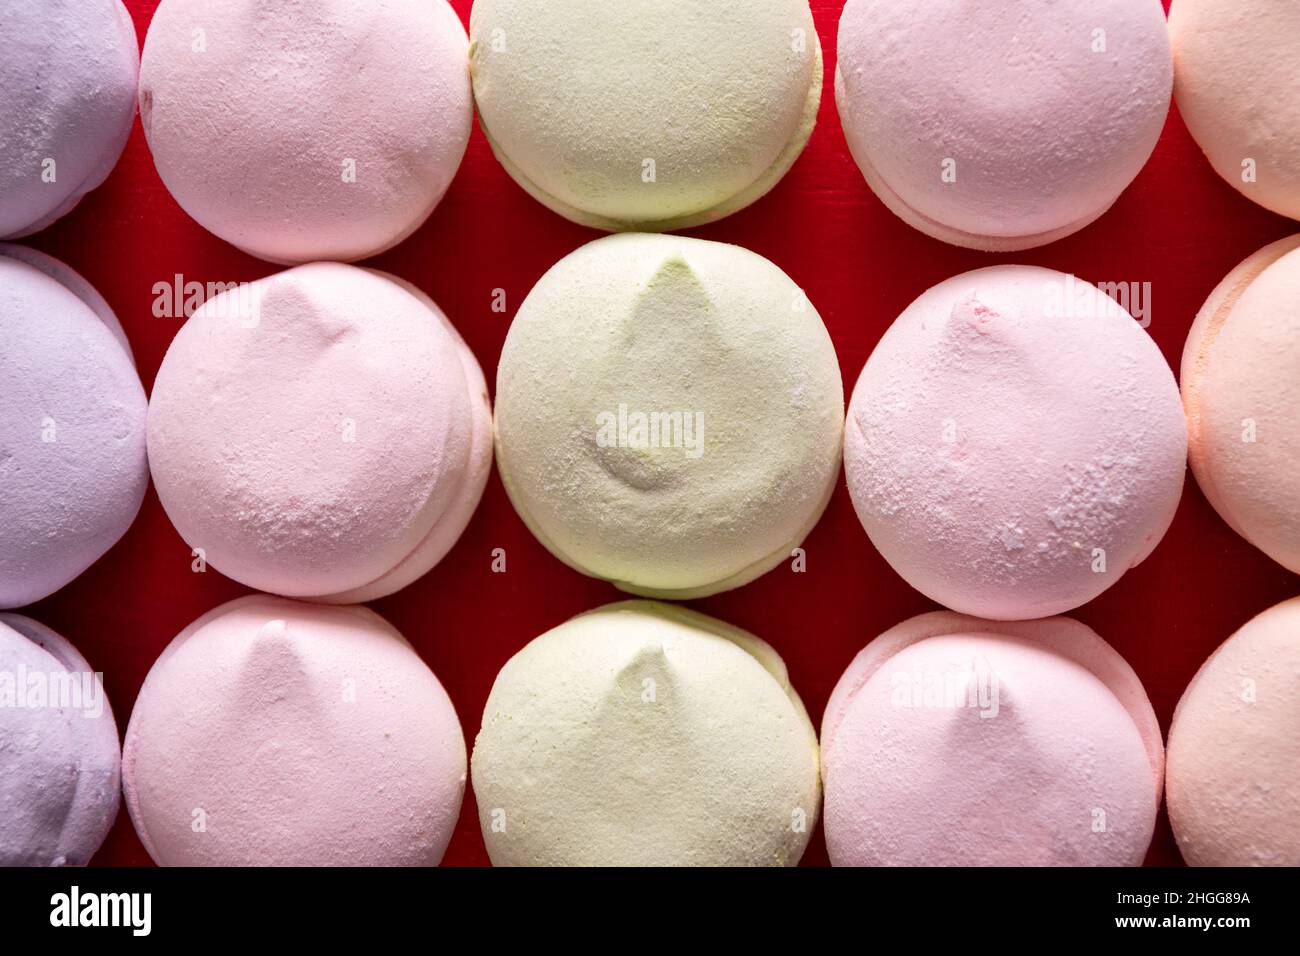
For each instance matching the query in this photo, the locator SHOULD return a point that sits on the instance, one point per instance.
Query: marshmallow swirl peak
(646, 114)
(643, 734)
(59, 756)
(952, 741)
(669, 414)
(1015, 443)
(1002, 124)
(298, 131)
(283, 734)
(323, 433)
(68, 87)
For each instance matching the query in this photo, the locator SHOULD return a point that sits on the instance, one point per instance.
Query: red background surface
(1178, 227)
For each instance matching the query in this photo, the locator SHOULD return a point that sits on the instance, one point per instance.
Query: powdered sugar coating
(1008, 459)
(323, 433)
(644, 734)
(276, 733)
(68, 85)
(72, 428)
(952, 741)
(1003, 124)
(1239, 93)
(306, 131)
(1234, 754)
(59, 765)
(646, 115)
(1241, 387)
(641, 324)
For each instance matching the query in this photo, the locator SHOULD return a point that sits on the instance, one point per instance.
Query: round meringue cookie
(1234, 756)
(1238, 95)
(72, 427)
(59, 756)
(273, 733)
(68, 85)
(1005, 124)
(669, 414)
(647, 115)
(1241, 388)
(643, 734)
(302, 132)
(1015, 443)
(952, 741)
(324, 433)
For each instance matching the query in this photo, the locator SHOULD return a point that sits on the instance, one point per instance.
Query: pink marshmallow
(306, 131)
(1002, 124)
(1015, 443)
(952, 741)
(324, 433)
(276, 733)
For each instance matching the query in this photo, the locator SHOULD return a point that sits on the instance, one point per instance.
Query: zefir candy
(306, 131)
(646, 114)
(1234, 755)
(1015, 443)
(324, 433)
(283, 734)
(1002, 124)
(669, 414)
(952, 741)
(643, 734)
(1239, 92)
(1241, 389)
(72, 427)
(68, 85)
(60, 762)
